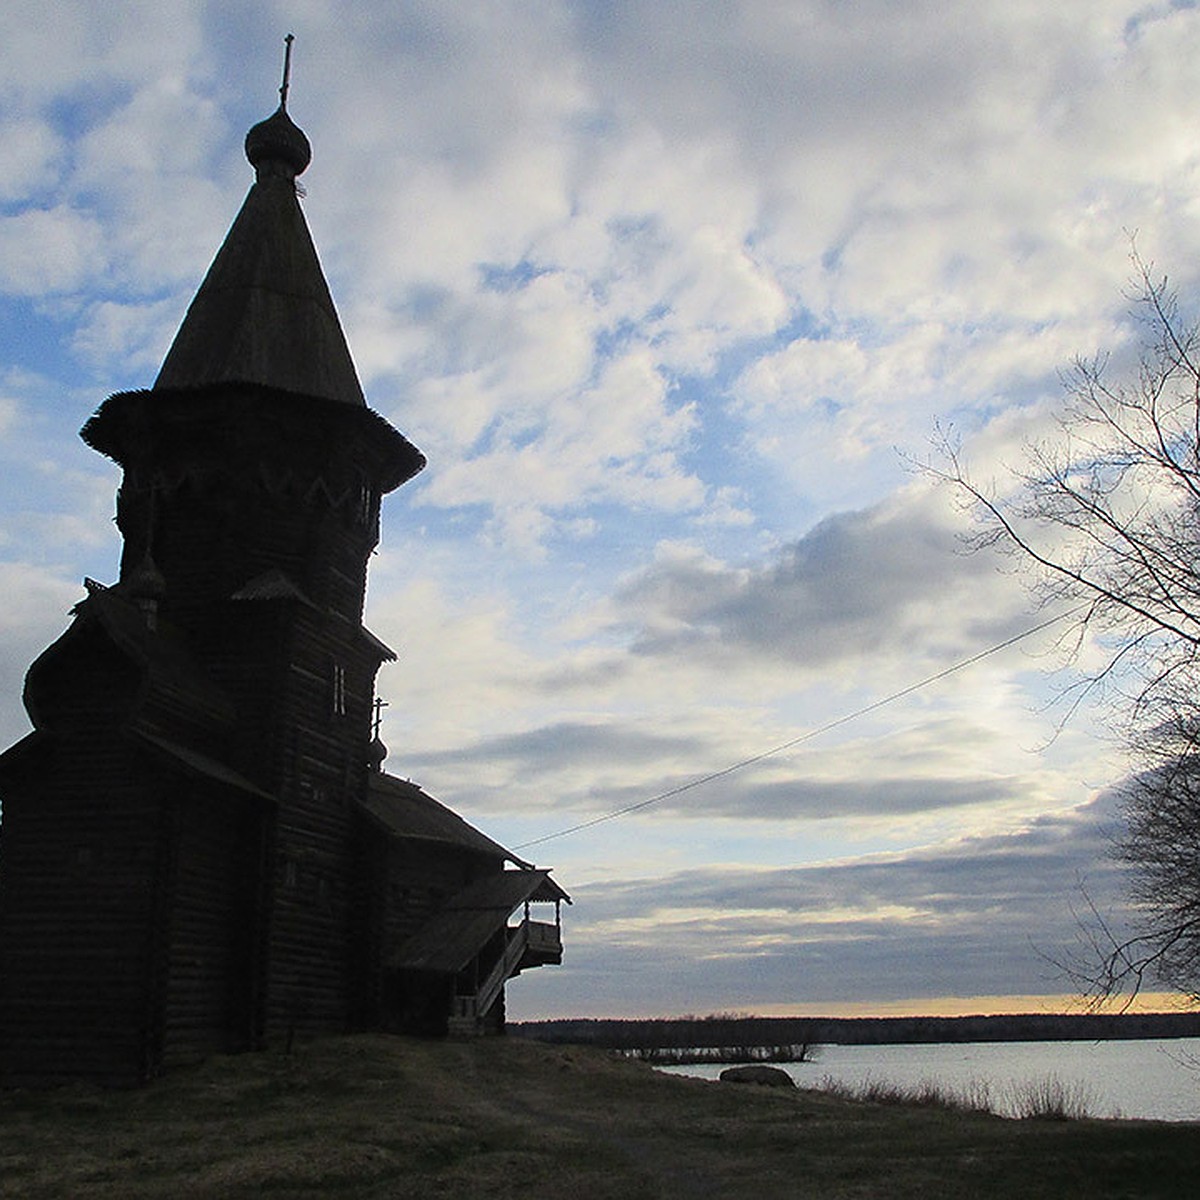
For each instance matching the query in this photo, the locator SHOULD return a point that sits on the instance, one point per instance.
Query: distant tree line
(723, 1031)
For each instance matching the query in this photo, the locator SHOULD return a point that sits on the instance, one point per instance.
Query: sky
(675, 296)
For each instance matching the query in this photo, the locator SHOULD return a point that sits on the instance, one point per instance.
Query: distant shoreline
(724, 1031)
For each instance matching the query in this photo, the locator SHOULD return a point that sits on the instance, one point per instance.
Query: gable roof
(195, 762)
(406, 811)
(448, 941)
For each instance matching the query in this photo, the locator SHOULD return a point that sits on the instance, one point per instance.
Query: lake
(1152, 1079)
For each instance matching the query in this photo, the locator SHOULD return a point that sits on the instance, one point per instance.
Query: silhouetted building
(199, 849)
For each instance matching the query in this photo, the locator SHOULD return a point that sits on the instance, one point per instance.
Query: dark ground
(374, 1116)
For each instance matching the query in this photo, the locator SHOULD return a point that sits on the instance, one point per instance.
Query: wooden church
(199, 849)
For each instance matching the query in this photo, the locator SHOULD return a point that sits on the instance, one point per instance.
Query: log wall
(80, 892)
(214, 926)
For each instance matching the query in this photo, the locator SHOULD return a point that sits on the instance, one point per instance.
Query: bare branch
(1108, 514)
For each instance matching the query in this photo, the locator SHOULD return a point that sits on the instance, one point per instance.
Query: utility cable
(659, 797)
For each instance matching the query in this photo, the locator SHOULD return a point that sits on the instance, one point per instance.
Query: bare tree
(1107, 513)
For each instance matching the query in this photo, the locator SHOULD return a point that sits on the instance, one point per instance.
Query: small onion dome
(279, 139)
(376, 753)
(145, 581)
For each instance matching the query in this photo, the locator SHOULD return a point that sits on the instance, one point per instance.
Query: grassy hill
(375, 1116)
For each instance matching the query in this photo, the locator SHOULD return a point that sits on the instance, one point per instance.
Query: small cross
(380, 705)
(287, 70)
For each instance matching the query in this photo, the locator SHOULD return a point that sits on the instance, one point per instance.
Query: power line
(804, 737)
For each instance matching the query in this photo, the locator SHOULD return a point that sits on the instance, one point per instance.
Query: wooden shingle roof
(263, 314)
(451, 938)
(262, 333)
(406, 811)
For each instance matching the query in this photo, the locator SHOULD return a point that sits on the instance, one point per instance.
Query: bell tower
(200, 851)
(253, 474)
(249, 502)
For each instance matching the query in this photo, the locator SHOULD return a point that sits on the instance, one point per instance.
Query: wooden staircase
(528, 944)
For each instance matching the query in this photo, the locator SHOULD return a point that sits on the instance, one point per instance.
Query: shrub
(1050, 1099)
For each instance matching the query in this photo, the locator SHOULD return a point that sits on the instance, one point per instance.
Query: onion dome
(376, 753)
(145, 581)
(278, 139)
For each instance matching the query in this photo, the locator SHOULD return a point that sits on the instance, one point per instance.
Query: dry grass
(1050, 1099)
(1046, 1098)
(373, 1117)
(975, 1097)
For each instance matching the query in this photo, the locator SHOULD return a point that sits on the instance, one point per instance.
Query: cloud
(879, 796)
(693, 664)
(695, 782)
(546, 750)
(858, 586)
(672, 189)
(661, 289)
(135, 336)
(49, 251)
(726, 506)
(31, 152)
(56, 494)
(34, 613)
(620, 442)
(999, 911)
(462, 663)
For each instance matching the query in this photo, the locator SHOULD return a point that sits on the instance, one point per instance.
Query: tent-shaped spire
(263, 314)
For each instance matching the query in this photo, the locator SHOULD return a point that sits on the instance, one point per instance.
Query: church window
(339, 690)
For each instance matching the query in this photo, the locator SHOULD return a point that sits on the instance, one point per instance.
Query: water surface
(1155, 1079)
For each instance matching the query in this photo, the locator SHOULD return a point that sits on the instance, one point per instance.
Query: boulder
(756, 1073)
